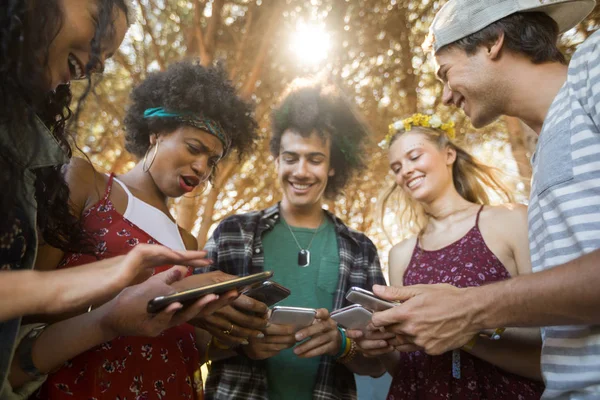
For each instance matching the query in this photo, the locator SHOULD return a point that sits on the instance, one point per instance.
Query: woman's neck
(446, 206)
(142, 183)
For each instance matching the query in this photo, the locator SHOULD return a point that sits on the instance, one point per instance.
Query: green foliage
(375, 57)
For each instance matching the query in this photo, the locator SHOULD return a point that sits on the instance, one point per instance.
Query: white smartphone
(368, 300)
(296, 316)
(354, 316)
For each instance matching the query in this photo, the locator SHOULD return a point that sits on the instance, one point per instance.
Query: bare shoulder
(86, 184)
(190, 241)
(399, 259)
(506, 213)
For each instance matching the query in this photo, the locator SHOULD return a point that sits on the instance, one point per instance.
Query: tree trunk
(522, 141)
(187, 212)
(246, 91)
(223, 175)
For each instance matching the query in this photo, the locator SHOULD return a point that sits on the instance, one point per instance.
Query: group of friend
(82, 252)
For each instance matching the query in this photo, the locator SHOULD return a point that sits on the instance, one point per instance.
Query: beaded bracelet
(349, 356)
(495, 335)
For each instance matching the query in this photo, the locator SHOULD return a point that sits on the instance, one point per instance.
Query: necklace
(304, 254)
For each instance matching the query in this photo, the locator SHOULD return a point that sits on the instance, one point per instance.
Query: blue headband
(200, 122)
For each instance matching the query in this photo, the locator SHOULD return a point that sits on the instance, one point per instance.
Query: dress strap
(108, 187)
(477, 219)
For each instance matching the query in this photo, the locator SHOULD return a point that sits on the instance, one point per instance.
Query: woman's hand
(126, 314)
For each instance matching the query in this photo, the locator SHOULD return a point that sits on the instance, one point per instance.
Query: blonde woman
(460, 239)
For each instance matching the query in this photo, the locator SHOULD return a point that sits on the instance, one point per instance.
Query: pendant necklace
(304, 254)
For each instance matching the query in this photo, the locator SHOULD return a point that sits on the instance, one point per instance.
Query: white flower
(435, 121)
(398, 125)
(383, 144)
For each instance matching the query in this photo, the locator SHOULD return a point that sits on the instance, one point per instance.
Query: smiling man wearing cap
(499, 57)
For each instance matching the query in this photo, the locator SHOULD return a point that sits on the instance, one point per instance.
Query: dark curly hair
(27, 29)
(308, 107)
(187, 87)
(534, 34)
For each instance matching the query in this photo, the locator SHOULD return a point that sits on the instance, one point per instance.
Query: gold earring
(153, 157)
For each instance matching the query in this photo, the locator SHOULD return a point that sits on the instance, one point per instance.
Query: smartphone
(354, 316)
(187, 297)
(368, 300)
(296, 316)
(268, 292)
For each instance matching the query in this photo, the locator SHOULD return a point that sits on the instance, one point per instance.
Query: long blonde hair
(472, 180)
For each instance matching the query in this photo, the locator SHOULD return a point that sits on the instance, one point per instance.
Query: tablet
(187, 297)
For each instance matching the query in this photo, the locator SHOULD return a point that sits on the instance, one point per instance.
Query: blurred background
(371, 49)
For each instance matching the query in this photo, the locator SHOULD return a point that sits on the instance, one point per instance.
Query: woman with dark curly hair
(43, 45)
(180, 125)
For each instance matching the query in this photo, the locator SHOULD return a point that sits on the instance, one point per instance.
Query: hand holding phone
(188, 296)
(354, 316)
(268, 292)
(296, 316)
(368, 300)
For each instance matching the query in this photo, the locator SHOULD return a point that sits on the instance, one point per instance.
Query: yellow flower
(426, 121)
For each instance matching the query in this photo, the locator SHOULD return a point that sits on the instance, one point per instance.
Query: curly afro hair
(187, 87)
(309, 107)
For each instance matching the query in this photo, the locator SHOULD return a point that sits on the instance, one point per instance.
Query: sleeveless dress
(136, 368)
(466, 262)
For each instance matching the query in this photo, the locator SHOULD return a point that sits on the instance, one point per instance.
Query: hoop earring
(153, 157)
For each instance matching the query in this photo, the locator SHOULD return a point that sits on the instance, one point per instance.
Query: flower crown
(426, 121)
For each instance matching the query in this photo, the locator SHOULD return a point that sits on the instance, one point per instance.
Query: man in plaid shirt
(318, 145)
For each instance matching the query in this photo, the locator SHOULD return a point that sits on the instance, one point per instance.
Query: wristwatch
(24, 352)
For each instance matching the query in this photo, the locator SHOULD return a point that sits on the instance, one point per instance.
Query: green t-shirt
(288, 376)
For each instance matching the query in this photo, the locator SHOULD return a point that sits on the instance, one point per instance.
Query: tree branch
(148, 30)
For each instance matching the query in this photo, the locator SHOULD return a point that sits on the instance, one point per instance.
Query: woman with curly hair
(443, 194)
(181, 123)
(43, 45)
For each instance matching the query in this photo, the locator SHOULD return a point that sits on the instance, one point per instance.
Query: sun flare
(310, 43)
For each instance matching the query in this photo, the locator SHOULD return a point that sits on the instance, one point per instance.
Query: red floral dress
(136, 368)
(466, 262)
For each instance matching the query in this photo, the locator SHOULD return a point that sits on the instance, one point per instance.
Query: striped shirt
(564, 216)
(236, 248)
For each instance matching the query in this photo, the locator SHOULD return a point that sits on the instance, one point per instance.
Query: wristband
(24, 352)
(344, 345)
(350, 354)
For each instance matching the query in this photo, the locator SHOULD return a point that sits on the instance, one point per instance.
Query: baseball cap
(460, 18)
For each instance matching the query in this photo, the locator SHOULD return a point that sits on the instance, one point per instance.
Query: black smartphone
(189, 296)
(268, 292)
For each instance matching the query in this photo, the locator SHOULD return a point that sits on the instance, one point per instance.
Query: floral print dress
(466, 262)
(127, 368)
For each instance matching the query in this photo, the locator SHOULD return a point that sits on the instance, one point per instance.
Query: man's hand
(437, 318)
(235, 324)
(324, 337)
(277, 338)
(126, 314)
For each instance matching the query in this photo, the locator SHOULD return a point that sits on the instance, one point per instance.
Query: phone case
(296, 316)
(187, 297)
(368, 300)
(352, 317)
(269, 293)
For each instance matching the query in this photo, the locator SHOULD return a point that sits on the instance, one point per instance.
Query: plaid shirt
(236, 248)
